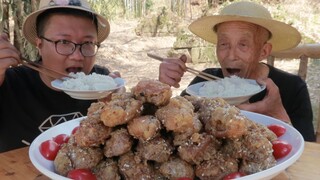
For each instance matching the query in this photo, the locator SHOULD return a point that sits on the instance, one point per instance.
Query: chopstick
(42, 69)
(201, 74)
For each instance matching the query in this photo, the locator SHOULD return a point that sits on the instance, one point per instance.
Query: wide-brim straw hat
(283, 36)
(29, 25)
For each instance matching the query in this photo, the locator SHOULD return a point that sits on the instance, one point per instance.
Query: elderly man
(245, 34)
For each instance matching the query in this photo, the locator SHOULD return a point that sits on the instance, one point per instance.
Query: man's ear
(266, 51)
(39, 45)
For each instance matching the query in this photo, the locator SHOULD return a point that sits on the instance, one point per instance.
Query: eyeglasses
(65, 47)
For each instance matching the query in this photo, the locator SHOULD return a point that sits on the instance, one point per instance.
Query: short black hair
(44, 16)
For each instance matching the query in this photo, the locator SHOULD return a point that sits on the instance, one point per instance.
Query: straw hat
(283, 37)
(29, 25)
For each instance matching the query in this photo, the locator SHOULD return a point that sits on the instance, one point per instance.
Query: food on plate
(190, 137)
(198, 148)
(122, 108)
(108, 169)
(120, 142)
(278, 129)
(154, 92)
(281, 148)
(83, 82)
(232, 86)
(92, 132)
(61, 138)
(177, 116)
(49, 149)
(234, 175)
(176, 167)
(71, 156)
(132, 167)
(144, 127)
(216, 167)
(79, 174)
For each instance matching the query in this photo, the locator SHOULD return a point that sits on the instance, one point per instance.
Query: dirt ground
(126, 52)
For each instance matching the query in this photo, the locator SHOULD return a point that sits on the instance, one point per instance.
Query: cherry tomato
(49, 149)
(61, 138)
(279, 130)
(234, 175)
(75, 130)
(81, 174)
(184, 178)
(280, 148)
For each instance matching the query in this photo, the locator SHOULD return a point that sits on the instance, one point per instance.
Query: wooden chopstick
(40, 68)
(201, 74)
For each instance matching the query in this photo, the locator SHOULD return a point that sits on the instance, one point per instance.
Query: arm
(9, 56)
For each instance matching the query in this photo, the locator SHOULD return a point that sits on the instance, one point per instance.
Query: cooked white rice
(92, 81)
(233, 86)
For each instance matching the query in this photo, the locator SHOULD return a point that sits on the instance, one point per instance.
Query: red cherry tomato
(279, 130)
(75, 130)
(184, 178)
(234, 175)
(61, 138)
(81, 174)
(280, 148)
(49, 149)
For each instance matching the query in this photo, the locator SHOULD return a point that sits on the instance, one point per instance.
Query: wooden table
(17, 165)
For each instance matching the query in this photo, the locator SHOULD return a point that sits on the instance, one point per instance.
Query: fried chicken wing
(131, 167)
(144, 128)
(107, 170)
(198, 148)
(92, 132)
(175, 168)
(71, 156)
(177, 116)
(119, 143)
(216, 168)
(157, 149)
(227, 122)
(121, 109)
(152, 91)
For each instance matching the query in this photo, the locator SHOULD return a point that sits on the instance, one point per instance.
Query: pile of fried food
(148, 134)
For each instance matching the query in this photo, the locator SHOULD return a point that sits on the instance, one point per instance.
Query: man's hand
(171, 70)
(270, 105)
(9, 55)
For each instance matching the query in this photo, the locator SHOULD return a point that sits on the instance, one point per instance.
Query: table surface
(17, 165)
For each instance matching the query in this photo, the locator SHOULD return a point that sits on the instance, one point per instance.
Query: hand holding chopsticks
(42, 69)
(203, 75)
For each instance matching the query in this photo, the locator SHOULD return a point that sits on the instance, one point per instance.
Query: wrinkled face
(240, 48)
(71, 28)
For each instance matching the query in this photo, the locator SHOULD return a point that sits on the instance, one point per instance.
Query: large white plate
(194, 90)
(88, 95)
(292, 136)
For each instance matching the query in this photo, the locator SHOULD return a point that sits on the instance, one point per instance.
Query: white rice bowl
(91, 82)
(233, 86)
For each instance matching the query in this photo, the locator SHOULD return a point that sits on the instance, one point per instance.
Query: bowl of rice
(234, 90)
(88, 87)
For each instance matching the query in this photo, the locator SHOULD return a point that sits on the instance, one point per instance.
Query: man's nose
(77, 54)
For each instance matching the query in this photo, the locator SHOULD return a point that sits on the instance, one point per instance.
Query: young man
(245, 34)
(67, 35)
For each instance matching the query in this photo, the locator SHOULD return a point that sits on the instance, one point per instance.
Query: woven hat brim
(29, 26)
(283, 37)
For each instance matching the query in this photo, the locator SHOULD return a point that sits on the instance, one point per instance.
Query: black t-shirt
(294, 96)
(29, 107)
